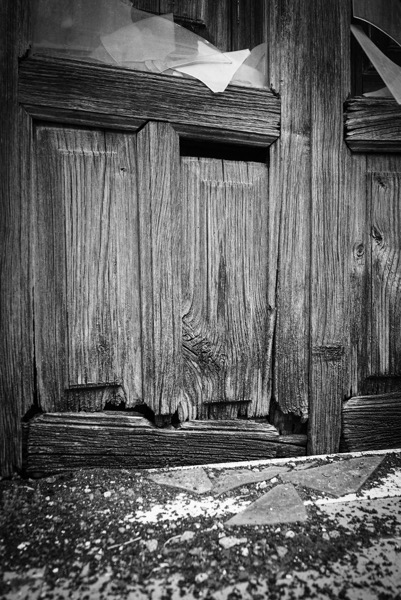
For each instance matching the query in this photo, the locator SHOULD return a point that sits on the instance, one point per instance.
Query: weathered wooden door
(151, 275)
(151, 272)
(147, 262)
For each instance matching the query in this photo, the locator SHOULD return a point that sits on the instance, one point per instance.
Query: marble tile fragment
(190, 480)
(338, 478)
(282, 504)
(238, 478)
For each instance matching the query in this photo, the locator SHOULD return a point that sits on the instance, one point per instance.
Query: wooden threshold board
(56, 442)
(371, 423)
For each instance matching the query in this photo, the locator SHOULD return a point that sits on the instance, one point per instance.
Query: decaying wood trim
(373, 125)
(61, 442)
(16, 318)
(73, 87)
(371, 422)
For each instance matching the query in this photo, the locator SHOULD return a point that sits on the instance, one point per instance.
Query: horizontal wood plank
(373, 125)
(238, 425)
(371, 422)
(77, 91)
(65, 441)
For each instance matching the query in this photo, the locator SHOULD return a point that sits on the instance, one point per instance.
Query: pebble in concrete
(282, 504)
(236, 479)
(191, 480)
(338, 478)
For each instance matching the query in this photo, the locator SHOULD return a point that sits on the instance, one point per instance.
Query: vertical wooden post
(331, 202)
(160, 266)
(289, 50)
(16, 354)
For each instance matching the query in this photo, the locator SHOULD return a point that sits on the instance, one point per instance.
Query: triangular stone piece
(337, 478)
(282, 504)
(190, 480)
(236, 479)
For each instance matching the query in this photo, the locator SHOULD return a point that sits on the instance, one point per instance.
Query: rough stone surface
(116, 534)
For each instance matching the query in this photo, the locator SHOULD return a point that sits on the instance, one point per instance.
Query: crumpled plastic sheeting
(387, 69)
(112, 32)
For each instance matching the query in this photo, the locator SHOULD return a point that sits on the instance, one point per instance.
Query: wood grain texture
(226, 341)
(373, 125)
(384, 191)
(289, 202)
(238, 114)
(87, 297)
(358, 259)
(331, 168)
(238, 425)
(371, 423)
(183, 9)
(16, 349)
(57, 443)
(160, 266)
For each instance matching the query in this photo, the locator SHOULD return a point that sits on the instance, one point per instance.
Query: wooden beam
(371, 422)
(373, 125)
(78, 91)
(16, 353)
(289, 208)
(159, 210)
(65, 441)
(331, 189)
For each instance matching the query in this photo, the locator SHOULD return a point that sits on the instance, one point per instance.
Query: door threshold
(57, 442)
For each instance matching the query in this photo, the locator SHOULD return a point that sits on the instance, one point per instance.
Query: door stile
(160, 265)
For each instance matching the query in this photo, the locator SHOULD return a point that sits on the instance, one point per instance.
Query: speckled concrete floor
(315, 527)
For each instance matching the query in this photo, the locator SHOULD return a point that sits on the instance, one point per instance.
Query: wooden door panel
(87, 298)
(224, 287)
(384, 192)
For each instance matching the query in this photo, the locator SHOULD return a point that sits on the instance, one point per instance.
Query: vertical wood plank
(226, 342)
(331, 168)
(50, 300)
(358, 284)
(127, 332)
(220, 15)
(16, 350)
(88, 323)
(160, 266)
(289, 219)
(384, 191)
(249, 24)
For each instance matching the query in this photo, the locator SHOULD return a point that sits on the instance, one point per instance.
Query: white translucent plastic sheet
(383, 14)
(112, 32)
(387, 69)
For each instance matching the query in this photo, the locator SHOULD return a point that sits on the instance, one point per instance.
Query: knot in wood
(376, 235)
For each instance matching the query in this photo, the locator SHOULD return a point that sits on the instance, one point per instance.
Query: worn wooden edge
(76, 92)
(371, 422)
(372, 125)
(234, 425)
(55, 442)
